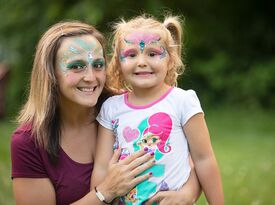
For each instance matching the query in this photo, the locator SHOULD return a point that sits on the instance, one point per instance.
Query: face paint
(76, 51)
(141, 39)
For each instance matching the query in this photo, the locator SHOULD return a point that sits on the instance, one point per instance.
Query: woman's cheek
(72, 78)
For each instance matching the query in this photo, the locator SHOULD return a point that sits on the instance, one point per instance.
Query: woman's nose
(89, 75)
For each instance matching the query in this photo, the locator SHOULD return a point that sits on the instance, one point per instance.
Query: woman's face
(80, 69)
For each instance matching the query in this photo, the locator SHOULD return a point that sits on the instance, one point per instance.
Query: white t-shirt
(157, 126)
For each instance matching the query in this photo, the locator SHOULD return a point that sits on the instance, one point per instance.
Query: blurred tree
(229, 45)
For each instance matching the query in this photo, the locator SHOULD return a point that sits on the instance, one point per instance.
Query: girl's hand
(170, 198)
(187, 195)
(122, 175)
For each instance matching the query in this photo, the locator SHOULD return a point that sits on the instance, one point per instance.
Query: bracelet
(100, 196)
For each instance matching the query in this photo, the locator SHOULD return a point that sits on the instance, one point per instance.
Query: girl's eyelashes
(151, 52)
(129, 53)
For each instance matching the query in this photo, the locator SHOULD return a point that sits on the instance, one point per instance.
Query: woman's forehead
(78, 45)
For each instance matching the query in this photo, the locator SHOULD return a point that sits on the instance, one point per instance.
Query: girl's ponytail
(173, 25)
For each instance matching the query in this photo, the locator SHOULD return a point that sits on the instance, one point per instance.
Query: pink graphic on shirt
(157, 133)
(130, 134)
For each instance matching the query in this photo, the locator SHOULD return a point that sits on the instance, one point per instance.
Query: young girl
(153, 114)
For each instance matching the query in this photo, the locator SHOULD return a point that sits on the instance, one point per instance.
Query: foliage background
(229, 45)
(229, 49)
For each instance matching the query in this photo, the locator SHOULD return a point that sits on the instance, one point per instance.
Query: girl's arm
(204, 159)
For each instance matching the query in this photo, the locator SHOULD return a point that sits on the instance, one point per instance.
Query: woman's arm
(204, 159)
(33, 191)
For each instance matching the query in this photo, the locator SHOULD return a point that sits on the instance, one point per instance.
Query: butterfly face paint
(142, 40)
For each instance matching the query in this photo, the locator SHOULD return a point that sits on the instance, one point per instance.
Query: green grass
(6, 129)
(243, 142)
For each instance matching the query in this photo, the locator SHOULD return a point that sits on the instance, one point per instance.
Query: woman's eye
(76, 66)
(99, 65)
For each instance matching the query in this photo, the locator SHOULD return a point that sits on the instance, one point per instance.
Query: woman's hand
(123, 175)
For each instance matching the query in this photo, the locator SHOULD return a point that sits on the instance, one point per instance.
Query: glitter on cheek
(163, 52)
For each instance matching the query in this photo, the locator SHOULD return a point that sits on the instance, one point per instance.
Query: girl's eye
(131, 55)
(144, 141)
(152, 54)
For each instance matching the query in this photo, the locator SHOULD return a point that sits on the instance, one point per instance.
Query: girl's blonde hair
(41, 110)
(172, 30)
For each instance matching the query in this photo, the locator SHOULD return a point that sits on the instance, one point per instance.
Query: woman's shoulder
(22, 135)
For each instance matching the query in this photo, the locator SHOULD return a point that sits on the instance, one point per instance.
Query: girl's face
(144, 59)
(80, 69)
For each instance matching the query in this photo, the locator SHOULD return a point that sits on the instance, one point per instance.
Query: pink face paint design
(142, 39)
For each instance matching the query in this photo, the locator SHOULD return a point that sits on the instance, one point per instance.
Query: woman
(53, 149)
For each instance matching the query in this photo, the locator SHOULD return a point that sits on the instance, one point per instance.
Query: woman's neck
(77, 116)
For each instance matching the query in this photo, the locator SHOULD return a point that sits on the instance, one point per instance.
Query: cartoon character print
(131, 196)
(124, 153)
(156, 135)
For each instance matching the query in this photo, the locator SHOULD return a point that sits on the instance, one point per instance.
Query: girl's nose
(142, 62)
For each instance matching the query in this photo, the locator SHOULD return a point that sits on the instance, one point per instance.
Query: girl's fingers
(155, 199)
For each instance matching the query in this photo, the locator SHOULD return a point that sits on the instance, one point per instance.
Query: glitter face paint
(78, 49)
(142, 40)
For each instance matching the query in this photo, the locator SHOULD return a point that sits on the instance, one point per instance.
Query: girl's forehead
(146, 36)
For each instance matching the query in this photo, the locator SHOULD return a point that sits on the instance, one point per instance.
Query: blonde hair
(41, 109)
(172, 31)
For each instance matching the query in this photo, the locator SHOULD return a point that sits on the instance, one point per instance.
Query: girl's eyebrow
(127, 51)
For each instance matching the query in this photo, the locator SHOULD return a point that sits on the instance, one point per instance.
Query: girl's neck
(146, 96)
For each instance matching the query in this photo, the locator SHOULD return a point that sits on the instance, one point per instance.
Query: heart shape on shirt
(130, 134)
